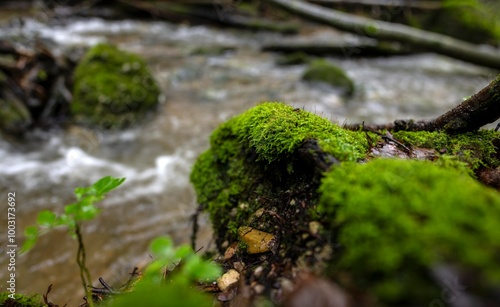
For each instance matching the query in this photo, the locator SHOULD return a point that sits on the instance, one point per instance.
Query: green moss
(253, 156)
(477, 149)
(398, 220)
(276, 130)
(326, 72)
(476, 18)
(472, 20)
(14, 116)
(21, 300)
(112, 88)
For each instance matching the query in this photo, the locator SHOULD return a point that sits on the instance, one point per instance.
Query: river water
(199, 92)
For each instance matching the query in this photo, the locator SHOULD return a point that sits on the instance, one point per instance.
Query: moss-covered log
(386, 228)
(438, 43)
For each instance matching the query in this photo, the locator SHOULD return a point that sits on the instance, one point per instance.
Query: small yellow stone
(228, 279)
(257, 241)
(314, 227)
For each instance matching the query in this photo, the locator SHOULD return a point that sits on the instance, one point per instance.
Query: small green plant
(72, 218)
(168, 280)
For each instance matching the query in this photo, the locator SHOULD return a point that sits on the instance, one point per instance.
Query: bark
(442, 44)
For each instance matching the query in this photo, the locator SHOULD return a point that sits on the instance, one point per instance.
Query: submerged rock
(326, 72)
(112, 89)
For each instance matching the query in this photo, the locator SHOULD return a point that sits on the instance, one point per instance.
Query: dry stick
(442, 44)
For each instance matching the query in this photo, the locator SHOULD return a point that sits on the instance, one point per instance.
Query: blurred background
(212, 60)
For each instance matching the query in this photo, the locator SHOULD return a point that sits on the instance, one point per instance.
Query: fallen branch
(422, 5)
(478, 110)
(219, 13)
(442, 44)
(327, 48)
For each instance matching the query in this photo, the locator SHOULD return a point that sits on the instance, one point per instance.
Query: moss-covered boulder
(313, 192)
(112, 88)
(400, 224)
(269, 154)
(326, 72)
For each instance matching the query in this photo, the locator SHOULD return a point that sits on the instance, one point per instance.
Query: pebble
(230, 278)
(257, 241)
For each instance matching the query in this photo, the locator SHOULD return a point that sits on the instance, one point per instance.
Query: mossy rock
(21, 300)
(326, 72)
(112, 89)
(15, 117)
(257, 154)
(398, 222)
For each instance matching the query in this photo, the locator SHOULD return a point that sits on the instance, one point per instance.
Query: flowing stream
(199, 92)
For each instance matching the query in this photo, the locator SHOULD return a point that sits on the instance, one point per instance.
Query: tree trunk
(484, 55)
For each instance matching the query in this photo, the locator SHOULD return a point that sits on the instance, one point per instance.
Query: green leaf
(63, 220)
(31, 234)
(148, 293)
(162, 247)
(46, 218)
(197, 269)
(81, 192)
(88, 213)
(72, 209)
(183, 251)
(106, 184)
(154, 271)
(28, 245)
